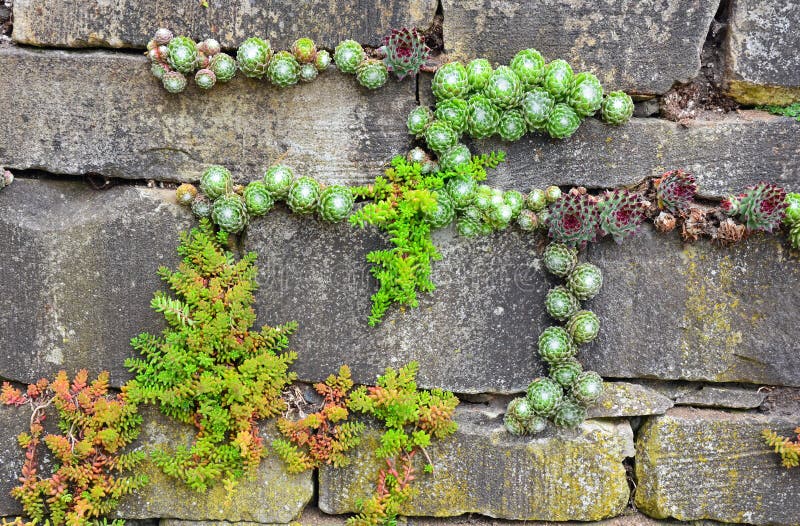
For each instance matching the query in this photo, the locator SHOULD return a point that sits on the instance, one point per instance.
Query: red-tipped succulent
(573, 220)
(405, 52)
(759, 207)
(675, 191)
(621, 214)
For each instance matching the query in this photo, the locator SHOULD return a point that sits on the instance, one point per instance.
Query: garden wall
(699, 342)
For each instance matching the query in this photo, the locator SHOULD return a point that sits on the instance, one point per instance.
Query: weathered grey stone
(720, 314)
(273, 496)
(129, 23)
(644, 47)
(695, 311)
(627, 399)
(104, 112)
(726, 397)
(725, 154)
(701, 464)
(13, 421)
(482, 469)
(312, 516)
(80, 269)
(763, 66)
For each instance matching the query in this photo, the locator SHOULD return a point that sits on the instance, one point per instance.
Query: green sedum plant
(90, 473)
(412, 418)
(406, 205)
(322, 437)
(208, 368)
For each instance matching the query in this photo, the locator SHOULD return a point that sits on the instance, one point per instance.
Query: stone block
(644, 47)
(102, 112)
(482, 469)
(694, 464)
(763, 66)
(129, 23)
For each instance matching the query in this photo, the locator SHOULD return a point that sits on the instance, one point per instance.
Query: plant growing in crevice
(788, 449)
(208, 369)
(792, 110)
(323, 437)
(89, 476)
(411, 418)
(408, 204)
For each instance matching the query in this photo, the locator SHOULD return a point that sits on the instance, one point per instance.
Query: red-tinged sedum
(621, 214)
(675, 191)
(573, 220)
(406, 52)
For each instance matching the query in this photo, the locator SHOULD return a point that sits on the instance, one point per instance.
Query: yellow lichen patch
(713, 314)
(748, 93)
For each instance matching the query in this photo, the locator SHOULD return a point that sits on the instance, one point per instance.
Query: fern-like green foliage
(87, 478)
(788, 449)
(792, 110)
(208, 368)
(411, 416)
(393, 490)
(400, 202)
(323, 437)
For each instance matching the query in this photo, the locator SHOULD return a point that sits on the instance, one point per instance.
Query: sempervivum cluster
(791, 218)
(481, 209)
(231, 207)
(351, 58)
(174, 58)
(527, 95)
(302, 63)
(6, 178)
(564, 396)
(675, 191)
(760, 207)
(404, 52)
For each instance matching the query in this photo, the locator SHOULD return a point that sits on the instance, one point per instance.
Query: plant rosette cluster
(403, 53)
(174, 58)
(208, 368)
(564, 396)
(89, 473)
(6, 178)
(231, 207)
(528, 95)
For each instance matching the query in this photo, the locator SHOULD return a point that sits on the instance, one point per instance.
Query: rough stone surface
(720, 314)
(730, 397)
(695, 311)
(701, 464)
(84, 266)
(129, 23)
(763, 66)
(13, 421)
(725, 154)
(644, 47)
(312, 516)
(627, 399)
(104, 112)
(84, 271)
(273, 496)
(482, 469)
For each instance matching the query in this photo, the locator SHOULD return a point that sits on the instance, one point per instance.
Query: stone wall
(699, 342)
